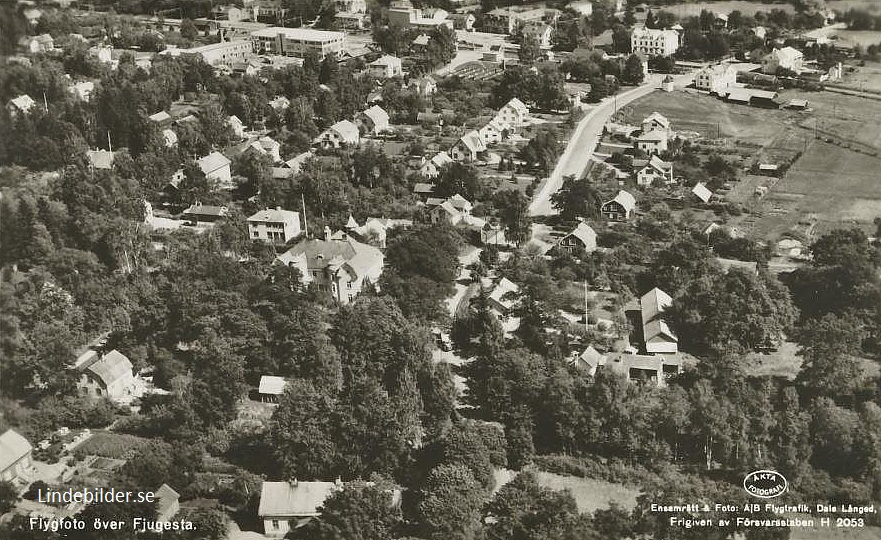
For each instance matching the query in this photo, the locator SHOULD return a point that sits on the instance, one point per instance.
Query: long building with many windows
(298, 41)
(654, 42)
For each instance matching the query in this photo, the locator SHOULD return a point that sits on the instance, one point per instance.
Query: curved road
(585, 138)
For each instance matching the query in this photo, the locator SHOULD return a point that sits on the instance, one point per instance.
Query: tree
(522, 509)
(8, 496)
(621, 39)
(577, 198)
(450, 503)
(530, 51)
(513, 208)
(633, 72)
(732, 311)
(458, 178)
(300, 434)
(360, 511)
(188, 30)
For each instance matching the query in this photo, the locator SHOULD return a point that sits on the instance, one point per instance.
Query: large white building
(716, 78)
(786, 58)
(225, 52)
(275, 226)
(338, 264)
(298, 41)
(654, 42)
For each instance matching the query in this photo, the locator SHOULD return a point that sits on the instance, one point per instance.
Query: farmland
(833, 183)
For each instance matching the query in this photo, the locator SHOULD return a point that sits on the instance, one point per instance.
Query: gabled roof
(659, 118)
(473, 141)
(500, 293)
(702, 192)
(333, 254)
(584, 233)
(653, 303)
(786, 54)
(272, 385)
(625, 199)
(234, 121)
(423, 188)
(460, 203)
(447, 207)
(23, 102)
(296, 162)
(165, 499)
(213, 162)
(274, 215)
(518, 105)
(100, 159)
(386, 60)
(441, 158)
(421, 39)
(590, 359)
(280, 102)
(377, 115)
(206, 210)
(111, 367)
(653, 135)
(160, 117)
(293, 499)
(346, 129)
(659, 165)
(12, 448)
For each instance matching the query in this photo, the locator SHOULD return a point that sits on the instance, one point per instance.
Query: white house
(583, 237)
(109, 375)
(385, 67)
(275, 226)
(374, 120)
(513, 113)
(431, 168)
(786, 58)
(338, 264)
(266, 146)
(271, 388)
(20, 105)
(702, 192)
(620, 208)
(493, 132)
(342, 133)
(237, 126)
(656, 334)
(215, 166)
(82, 90)
(652, 142)
(283, 504)
(656, 121)
(655, 171)
(654, 42)
(715, 79)
(468, 147)
(16, 461)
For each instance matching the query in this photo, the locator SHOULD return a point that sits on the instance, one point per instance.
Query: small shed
(271, 388)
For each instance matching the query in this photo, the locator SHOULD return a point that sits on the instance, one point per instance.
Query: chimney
(327, 233)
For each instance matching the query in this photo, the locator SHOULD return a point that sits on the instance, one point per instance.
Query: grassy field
(832, 184)
(747, 8)
(710, 116)
(111, 445)
(590, 495)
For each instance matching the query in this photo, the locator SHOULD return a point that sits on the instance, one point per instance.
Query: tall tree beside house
(513, 206)
(633, 72)
(188, 29)
(524, 509)
(459, 178)
(529, 51)
(732, 311)
(358, 512)
(621, 38)
(450, 502)
(218, 380)
(577, 197)
(299, 433)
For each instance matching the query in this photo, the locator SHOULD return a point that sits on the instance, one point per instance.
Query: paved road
(584, 140)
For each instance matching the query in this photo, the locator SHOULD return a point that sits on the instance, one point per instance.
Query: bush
(111, 445)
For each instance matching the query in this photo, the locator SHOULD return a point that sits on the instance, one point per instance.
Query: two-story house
(275, 226)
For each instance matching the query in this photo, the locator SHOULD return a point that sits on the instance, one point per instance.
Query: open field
(833, 184)
(709, 116)
(747, 8)
(590, 495)
(872, 6)
(867, 77)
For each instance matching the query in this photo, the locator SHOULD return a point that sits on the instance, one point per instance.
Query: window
(275, 524)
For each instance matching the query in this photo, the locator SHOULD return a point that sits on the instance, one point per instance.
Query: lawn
(747, 8)
(111, 445)
(590, 495)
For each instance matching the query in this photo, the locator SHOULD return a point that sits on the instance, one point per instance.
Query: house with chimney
(337, 264)
(107, 375)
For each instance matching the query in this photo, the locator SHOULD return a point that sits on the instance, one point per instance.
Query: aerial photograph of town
(440, 270)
